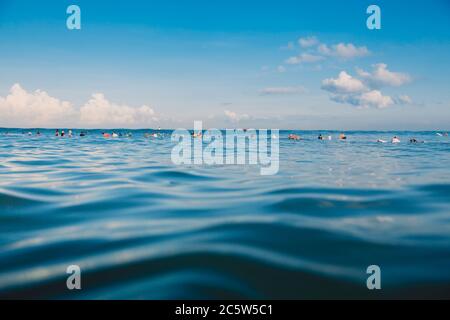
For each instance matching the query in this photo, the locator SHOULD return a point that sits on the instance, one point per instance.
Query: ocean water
(141, 227)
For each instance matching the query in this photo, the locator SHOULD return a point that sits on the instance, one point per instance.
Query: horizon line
(270, 129)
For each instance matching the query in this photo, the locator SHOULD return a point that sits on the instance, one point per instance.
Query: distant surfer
(395, 140)
(414, 140)
(293, 137)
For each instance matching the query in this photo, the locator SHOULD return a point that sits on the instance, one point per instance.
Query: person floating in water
(342, 136)
(320, 137)
(82, 134)
(395, 140)
(106, 135)
(62, 133)
(414, 140)
(70, 133)
(57, 133)
(38, 133)
(294, 137)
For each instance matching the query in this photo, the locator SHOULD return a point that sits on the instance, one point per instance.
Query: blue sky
(228, 63)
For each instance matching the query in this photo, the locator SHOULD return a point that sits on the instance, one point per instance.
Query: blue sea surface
(141, 227)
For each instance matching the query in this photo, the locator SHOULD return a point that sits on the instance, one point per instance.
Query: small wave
(332, 207)
(12, 200)
(175, 176)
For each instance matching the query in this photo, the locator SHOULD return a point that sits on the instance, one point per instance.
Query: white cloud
(308, 42)
(304, 58)
(38, 109)
(99, 112)
(367, 99)
(375, 99)
(344, 83)
(33, 109)
(363, 92)
(283, 90)
(315, 51)
(344, 51)
(381, 76)
(235, 117)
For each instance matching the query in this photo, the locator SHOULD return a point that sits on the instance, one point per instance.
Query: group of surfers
(296, 137)
(342, 136)
(292, 136)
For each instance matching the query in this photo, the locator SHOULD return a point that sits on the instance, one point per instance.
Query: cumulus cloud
(308, 42)
(282, 90)
(363, 92)
(381, 76)
(304, 58)
(376, 99)
(367, 99)
(33, 109)
(344, 83)
(21, 108)
(235, 117)
(98, 112)
(343, 50)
